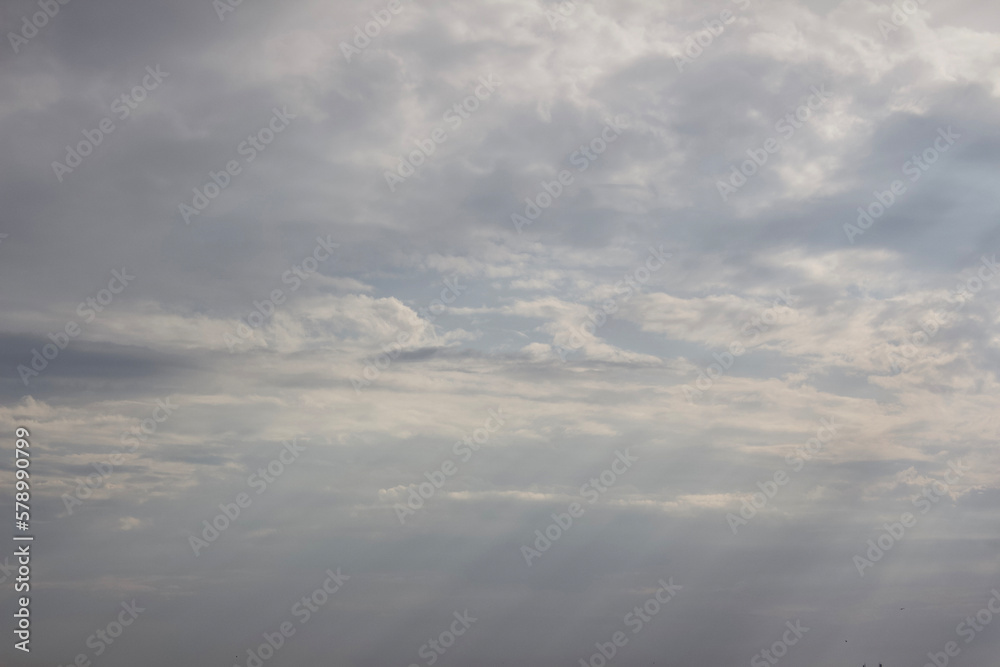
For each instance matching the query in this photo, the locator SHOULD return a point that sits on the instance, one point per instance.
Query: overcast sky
(705, 293)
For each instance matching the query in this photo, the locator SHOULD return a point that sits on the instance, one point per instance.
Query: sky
(503, 333)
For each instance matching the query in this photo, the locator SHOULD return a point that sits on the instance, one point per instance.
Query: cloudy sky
(503, 333)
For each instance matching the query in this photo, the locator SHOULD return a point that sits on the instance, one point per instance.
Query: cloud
(433, 311)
